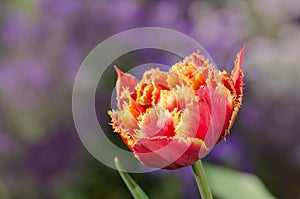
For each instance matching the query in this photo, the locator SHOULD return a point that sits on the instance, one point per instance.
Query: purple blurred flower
(17, 29)
(232, 153)
(51, 158)
(188, 183)
(61, 8)
(19, 78)
(6, 144)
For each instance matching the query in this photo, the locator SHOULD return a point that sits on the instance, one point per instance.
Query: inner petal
(148, 89)
(177, 98)
(158, 122)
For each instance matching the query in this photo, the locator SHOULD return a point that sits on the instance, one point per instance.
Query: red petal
(195, 118)
(135, 109)
(148, 89)
(168, 153)
(124, 124)
(227, 82)
(237, 75)
(125, 87)
(219, 102)
(119, 72)
(237, 79)
(157, 122)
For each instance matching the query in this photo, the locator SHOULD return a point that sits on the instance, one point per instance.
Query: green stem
(201, 180)
(135, 190)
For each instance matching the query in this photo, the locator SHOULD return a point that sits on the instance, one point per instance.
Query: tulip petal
(195, 120)
(237, 78)
(222, 108)
(227, 82)
(197, 60)
(157, 122)
(188, 72)
(124, 124)
(125, 87)
(148, 89)
(169, 153)
(237, 75)
(177, 98)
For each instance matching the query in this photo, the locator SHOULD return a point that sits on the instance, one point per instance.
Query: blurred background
(43, 43)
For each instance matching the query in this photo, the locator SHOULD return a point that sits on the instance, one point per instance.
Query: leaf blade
(230, 184)
(135, 190)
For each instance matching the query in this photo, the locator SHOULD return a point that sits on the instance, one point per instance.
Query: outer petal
(195, 120)
(125, 87)
(205, 119)
(222, 107)
(237, 82)
(124, 123)
(168, 153)
(237, 75)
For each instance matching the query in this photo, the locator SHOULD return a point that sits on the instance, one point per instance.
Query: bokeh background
(43, 43)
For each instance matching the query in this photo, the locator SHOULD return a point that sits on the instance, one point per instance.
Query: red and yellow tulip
(171, 119)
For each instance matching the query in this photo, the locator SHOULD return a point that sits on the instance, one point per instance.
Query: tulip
(172, 119)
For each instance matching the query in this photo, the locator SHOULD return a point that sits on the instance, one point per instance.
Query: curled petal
(148, 89)
(227, 82)
(135, 108)
(237, 75)
(237, 82)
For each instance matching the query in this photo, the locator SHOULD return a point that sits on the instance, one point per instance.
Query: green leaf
(230, 184)
(135, 190)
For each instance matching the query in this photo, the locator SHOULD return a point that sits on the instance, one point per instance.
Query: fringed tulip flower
(171, 119)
